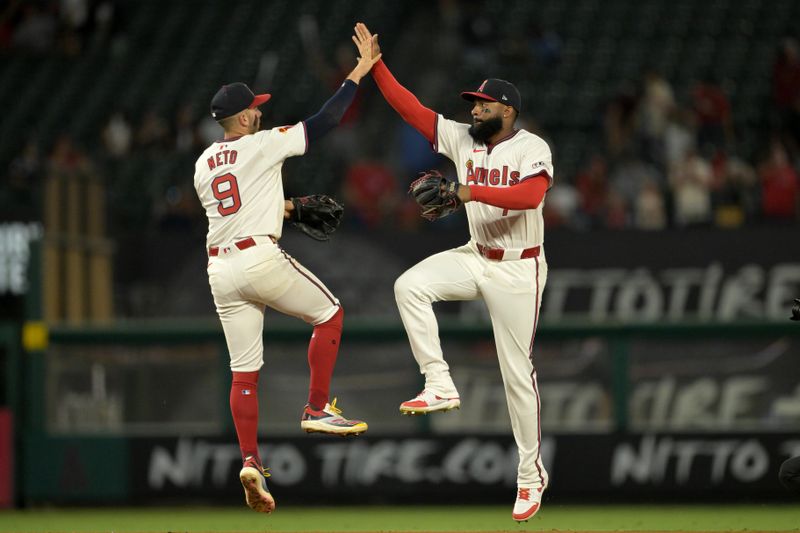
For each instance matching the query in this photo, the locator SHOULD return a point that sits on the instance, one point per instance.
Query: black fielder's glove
(789, 474)
(796, 310)
(317, 215)
(435, 194)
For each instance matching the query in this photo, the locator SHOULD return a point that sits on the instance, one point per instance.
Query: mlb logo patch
(246, 392)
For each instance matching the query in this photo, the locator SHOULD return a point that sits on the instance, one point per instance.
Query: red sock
(244, 408)
(322, 352)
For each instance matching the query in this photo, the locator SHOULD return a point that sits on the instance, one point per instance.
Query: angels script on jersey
(491, 176)
(223, 157)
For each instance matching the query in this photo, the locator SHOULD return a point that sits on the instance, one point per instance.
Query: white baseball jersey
(512, 160)
(240, 185)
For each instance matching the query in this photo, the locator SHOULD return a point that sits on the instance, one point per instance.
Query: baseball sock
(244, 408)
(322, 352)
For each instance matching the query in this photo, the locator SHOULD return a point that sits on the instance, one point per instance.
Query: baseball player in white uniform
(503, 175)
(238, 181)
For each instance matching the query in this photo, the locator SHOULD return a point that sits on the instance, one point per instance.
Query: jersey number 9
(226, 190)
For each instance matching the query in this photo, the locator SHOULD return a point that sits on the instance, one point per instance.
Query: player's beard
(485, 130)
(256, 125)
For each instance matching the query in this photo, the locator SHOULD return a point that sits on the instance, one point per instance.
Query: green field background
(456, 518)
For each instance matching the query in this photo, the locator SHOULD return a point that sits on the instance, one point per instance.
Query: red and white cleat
(529, 500)
(428, 402)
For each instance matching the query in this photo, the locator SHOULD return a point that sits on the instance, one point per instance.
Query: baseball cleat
(428, 402)
(529, 500)
(330, 420)
(254, 480)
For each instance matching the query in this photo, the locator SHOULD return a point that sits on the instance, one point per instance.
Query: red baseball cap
(233, 98)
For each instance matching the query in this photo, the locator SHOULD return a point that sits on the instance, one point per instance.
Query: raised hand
(364, 65)
(365, 41)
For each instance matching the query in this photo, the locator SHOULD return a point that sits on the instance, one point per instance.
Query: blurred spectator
(74, 16)
(178, 209)
(779, 185)
(592, 186)
(6, 27)
(655, 110)
(27, 165)
(713, 113)
(620, 121)
(649, 210)
(530, 43)
(479, 35)
(184, 129)
(117, 135)
(792, 130)
(416, 154)
(546, 45)
(630, 174)
(616, 214)
(733, 191)
(679, 136)
(690, 182)
(208, 130)
(786, 75)
(786, 94)
(561, 205)
(153, 132)
(37, 29)
(21, 196)
(372, 195)
(330, 72)
(448, 45)
(67, 159)
(106, 22)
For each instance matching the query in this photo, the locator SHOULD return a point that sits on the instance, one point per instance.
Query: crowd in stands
(661, 161)
(667, 163)
(65, 27)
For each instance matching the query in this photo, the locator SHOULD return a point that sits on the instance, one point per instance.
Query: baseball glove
(317, 215)
(796, 310)
(435, 194)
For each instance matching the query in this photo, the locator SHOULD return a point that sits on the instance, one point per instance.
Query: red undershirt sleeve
(404, 102)
(526, 195)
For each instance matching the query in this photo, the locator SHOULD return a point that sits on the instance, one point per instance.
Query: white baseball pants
(243, 282)
(512, 291)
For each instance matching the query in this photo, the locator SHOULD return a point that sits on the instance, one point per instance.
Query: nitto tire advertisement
(466, 469)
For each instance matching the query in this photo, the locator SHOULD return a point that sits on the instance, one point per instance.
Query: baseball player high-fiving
(503, 175)
(238, 181)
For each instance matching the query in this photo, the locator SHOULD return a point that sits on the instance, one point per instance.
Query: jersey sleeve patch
(542, 172)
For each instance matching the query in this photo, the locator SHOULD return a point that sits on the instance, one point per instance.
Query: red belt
(244, 244)
(498, 253)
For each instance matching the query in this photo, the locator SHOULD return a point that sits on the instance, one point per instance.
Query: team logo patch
(284, 129)
(538, 164)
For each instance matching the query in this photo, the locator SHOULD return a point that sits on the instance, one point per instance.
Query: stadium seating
(165, 54)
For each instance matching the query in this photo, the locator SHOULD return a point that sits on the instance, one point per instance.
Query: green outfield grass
(306, 519)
